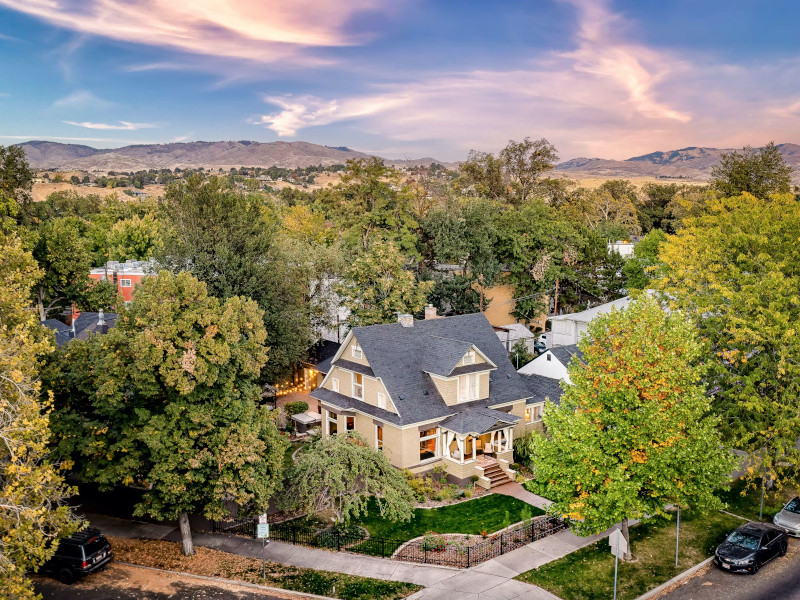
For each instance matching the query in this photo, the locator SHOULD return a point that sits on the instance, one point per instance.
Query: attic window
(549, 356)
(355, 351)
(469, 358)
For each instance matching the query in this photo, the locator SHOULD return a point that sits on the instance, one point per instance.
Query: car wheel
(755, 568)
(783, 549)
(66, 576)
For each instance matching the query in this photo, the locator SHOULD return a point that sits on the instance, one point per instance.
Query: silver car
(789, 518)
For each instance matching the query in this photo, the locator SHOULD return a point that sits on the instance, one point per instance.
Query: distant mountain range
(693, 163)
(289, 155)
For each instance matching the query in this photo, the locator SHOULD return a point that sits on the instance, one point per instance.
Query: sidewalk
(493, 579)
(515, 490)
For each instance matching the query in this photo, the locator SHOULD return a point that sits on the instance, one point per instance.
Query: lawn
(488, 513)
(588, 573)
(287, 456)
(746, 505)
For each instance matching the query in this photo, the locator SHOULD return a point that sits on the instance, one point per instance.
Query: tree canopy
(757, 171)
(634, 431)
(169, 397)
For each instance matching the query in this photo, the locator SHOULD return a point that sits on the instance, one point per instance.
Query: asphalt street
(777, 580)
(123, 582)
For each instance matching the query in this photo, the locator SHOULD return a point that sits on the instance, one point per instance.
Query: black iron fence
(434, 549)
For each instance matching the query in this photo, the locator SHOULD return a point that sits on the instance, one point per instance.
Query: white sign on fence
(262, 530)
(262, 519)
(618, 543)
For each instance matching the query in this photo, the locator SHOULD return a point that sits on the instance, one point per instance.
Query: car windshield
(793, 506)
(745, 540)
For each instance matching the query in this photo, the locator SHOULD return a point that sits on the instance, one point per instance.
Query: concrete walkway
(493, 579)
(515, 490)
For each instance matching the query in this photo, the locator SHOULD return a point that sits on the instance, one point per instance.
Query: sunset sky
(403, 78)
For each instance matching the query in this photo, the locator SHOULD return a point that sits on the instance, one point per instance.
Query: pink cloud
(257, 30)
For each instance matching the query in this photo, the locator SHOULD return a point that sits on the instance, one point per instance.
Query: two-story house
(438, 392)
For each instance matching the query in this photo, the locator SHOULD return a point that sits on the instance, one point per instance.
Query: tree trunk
(186, 534)
(627, 556)
(40, 304)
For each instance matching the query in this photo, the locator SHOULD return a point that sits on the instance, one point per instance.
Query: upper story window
(358, 386)
(334, 384)
(355, 351)
(468, 388)
(381, 400)
(124, 283)
(469, 358)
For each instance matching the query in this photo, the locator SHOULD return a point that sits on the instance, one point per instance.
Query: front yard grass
(588, 573)
(746, 505)
(486, 514)
(213, 563)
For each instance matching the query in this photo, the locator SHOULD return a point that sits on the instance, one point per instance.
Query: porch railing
(434, 549)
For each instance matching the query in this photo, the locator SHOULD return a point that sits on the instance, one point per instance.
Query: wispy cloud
(80, 100)
(5, 95)
(608, 95)
(258, 30)
(120, 126)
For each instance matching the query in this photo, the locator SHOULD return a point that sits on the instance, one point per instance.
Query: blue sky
(406, 78)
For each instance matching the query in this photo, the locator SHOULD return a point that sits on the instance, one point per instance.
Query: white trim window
(469, 358)
(533, 413)
(379, 437)
(332, 423)
(382, 400)
(428, 444)
(468, 387)
(334, 384)
(358, 386)
(124, 283)
(356, 352)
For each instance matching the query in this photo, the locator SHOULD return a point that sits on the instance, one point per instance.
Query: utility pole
(555, 307)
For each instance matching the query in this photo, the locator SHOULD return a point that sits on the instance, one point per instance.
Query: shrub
(446, 494)
(523, 448)
(433, 542)
(474, 478)
(468, 493)
(421, 486)
(295, 408)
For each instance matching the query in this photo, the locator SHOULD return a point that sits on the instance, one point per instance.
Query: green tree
(33, 513)
(341, 473)
(136, 238)
(760, 172)
(16, 182)
(63, 255)
(525, 162)
(736, 271)
(608, 210)
(232, 242)
(170, 397)
(653, 201)
(520, 355)
(633, 432)
(641, 267)
(377, 286)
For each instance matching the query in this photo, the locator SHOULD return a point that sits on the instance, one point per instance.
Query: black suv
(82, 553)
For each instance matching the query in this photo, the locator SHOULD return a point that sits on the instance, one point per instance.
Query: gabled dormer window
(355, 352)
(468, 388)
(469, 358)
(358, 386)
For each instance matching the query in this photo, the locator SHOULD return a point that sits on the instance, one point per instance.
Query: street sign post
(262, 531)
(619, 545)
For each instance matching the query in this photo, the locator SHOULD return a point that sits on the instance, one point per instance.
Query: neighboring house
(567, 330)
(511, 334)
(125, 276)
(81, 325)
(624, 249)
(437, 392)
(553, 363)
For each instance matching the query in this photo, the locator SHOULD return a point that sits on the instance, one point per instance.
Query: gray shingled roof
(543, 388)
(85, 324)
(478, 420)
(565, 353)
(353, 366)
(442, 354)
(398, 354)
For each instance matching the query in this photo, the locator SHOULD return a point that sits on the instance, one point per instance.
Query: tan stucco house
(435, 392)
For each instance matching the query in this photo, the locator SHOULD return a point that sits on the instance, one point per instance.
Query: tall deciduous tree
(231, 242)
(32, 492)
(377, 286)
(342, 473)
(736, 271)
(16, 182)
(136, 238)
(170, 397)
(759, 172)
(634, 431)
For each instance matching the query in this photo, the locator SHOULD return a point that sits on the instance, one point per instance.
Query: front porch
(486, 451)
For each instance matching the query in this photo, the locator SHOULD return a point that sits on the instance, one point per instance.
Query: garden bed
(213, 563)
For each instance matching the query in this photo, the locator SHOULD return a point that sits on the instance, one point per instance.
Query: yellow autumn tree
(32, 492)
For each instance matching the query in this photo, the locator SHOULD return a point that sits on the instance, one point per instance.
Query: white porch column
(509, 438)
(473, 447)
(327, 428)
(461, 448)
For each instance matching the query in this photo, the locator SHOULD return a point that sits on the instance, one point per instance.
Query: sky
(406, 78)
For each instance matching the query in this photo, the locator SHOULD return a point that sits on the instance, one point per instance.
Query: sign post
(677, 536)
(262, 533)
(619, 545)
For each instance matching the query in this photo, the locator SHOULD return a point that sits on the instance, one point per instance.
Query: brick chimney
(405, 320)
(430, 312)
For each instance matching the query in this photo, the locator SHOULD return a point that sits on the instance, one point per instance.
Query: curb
(679, 577)
(257, 586)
